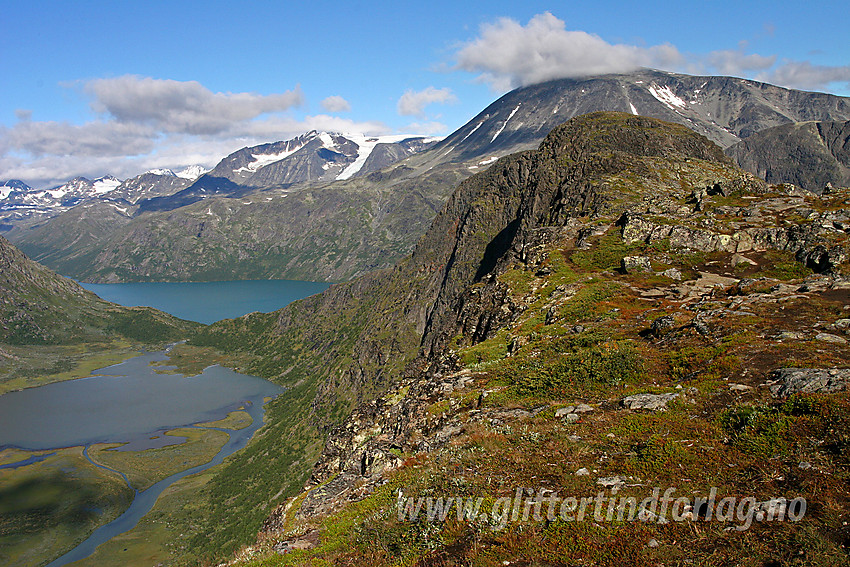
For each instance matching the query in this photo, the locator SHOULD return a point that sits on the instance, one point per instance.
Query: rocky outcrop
(742, 230)
(791, 381)
(649, 402)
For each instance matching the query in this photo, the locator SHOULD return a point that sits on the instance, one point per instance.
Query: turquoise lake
(207, 302)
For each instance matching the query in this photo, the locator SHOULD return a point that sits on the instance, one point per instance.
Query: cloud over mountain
(413, 103)
(506, 54)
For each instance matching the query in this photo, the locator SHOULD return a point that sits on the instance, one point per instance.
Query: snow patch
(192, 172)
(262, 160)
(365, 145)
(477, 126)
(327, 141)
(105, 185)
(488, 161)
(666, 96)
(496, 135)
(634, 110)
(164, 172)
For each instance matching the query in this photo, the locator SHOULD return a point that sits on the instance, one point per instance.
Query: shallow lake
(207, 302)
(126, 402)
(129, 402)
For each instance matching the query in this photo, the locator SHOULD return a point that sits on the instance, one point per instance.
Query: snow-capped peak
(105, 184)
(192, 172)
(13, 185)
(365, 145)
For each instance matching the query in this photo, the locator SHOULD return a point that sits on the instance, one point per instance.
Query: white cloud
(413, 103)
(335, 103)
(805, 75)
(181, 106)
(91, 139)
(507, 54)
(736, 62)
(148, 123)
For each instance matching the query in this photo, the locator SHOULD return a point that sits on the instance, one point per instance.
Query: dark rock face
(808, 154)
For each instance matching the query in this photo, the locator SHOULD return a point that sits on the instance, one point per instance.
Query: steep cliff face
(808, 154)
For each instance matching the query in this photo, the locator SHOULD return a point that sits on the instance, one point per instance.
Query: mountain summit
(723, 109)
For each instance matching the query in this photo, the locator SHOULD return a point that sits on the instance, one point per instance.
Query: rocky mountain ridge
(538, 286)
(22, 206)
(314, 157)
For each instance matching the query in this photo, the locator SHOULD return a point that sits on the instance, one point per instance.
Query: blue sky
(95, 88)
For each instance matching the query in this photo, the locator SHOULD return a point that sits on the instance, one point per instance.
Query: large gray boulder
(809, 381)
(651, 402)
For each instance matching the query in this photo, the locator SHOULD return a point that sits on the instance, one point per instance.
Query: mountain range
(346, 205)
(22, 205)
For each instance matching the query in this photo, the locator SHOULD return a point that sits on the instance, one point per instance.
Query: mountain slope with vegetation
(616, 309)
(51, 328)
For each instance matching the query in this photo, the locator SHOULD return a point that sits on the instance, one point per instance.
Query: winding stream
(128, 402)
(145, 500)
